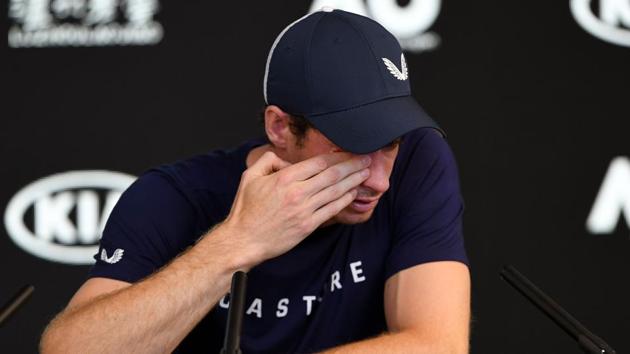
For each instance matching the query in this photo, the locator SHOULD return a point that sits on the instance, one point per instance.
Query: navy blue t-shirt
(326, 291)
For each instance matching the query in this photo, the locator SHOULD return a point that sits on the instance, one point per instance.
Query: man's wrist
(236, 256)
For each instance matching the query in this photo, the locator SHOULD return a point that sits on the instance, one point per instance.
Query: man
(351, 234)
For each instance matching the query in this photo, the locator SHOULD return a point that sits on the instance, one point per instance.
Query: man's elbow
(447, 343)
(55, 339)
(460, 347)
(456, 346)
(46, 342)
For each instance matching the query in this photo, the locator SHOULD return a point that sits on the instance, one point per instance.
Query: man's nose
(379, 174)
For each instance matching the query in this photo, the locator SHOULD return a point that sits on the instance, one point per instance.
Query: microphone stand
(15, 302)
(231, 344)
(587, 341)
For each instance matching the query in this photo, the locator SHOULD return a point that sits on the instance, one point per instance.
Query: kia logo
(613, 14)
(68, 212)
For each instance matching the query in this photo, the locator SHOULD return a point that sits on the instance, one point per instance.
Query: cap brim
(370, 127)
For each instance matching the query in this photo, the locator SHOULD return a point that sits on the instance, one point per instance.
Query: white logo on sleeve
(115, 258)
(401, 74)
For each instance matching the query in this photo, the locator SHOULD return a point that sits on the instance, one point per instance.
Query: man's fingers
(329, 210)
(267, 164)
(334, 174)
(337, 190)
(308, 168)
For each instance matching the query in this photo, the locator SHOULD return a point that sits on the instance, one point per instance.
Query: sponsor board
(61, 217)
(611, 23)
(83, 23)
(409, 23)
(613, 199)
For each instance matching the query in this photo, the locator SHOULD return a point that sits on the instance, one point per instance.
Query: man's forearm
(153, 315)
(403, 342)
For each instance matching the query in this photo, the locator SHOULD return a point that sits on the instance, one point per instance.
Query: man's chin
(350, 216)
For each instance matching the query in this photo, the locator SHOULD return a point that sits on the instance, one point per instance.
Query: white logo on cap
(402, 74)
(115, 258)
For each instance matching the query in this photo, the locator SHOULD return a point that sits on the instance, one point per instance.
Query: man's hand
(278, 204)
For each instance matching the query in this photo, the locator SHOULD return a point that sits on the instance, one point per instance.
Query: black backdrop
(535, 107)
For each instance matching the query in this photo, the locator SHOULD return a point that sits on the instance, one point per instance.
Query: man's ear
(277, 127)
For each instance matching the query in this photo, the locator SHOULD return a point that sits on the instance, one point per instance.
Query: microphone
(589, 342)
(15, 302)
(231, 344)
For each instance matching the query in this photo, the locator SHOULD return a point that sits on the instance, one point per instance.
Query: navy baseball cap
(347, 76)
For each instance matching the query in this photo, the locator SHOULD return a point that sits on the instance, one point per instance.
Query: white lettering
(255, 307)
(283, 309)
(36, 15)
(75, 35)
(87, 216)
(140, 12)
(101, 11)
(356, 272)
(334, 281)
(68, 8)
(51, 218)
(17, 10)
(613, 199)
(83, 23)
(615, 12)
(224, 303)
(309, 303)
